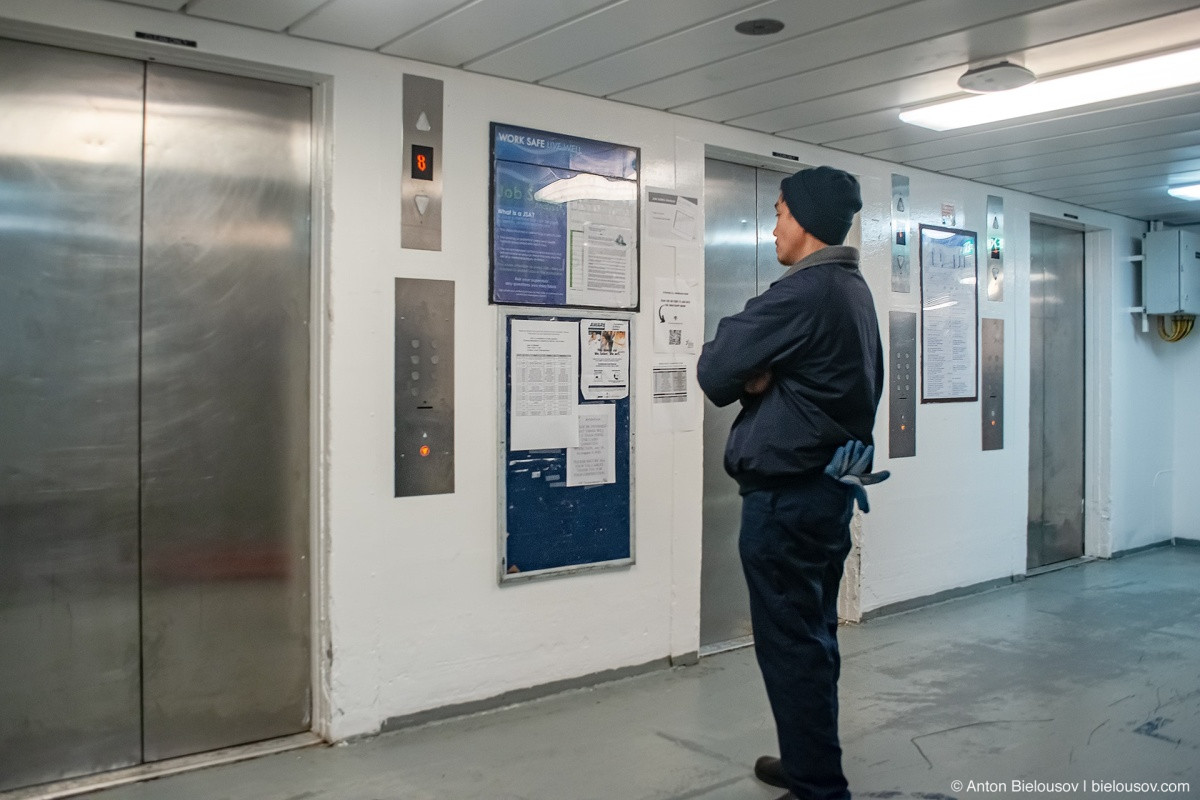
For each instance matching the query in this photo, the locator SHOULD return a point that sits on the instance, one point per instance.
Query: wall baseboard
(1181, 541)
(940, 597)
(519, 696)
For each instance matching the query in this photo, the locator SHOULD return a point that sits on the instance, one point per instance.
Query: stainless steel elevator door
(70, 209)
(224, 411)
(1056, 399)
(739, 263)
(153, 412)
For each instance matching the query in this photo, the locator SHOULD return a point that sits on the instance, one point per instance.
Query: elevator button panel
(992, 383)
(424, 387)
(902, 388)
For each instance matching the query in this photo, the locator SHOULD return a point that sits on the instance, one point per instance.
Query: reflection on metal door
(70, 215)
(739, 263)
(1056, 404)
(154, 435)
(224, 411)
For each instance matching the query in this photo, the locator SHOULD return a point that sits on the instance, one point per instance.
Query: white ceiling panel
(482, 27)
(704, 48)
(1156, 134)
(1062, 179)
(1070, 183)
(837, 74)
(907, 143)
(1129, 160)
(273, 15)
(934, 54)
(843, 129)
(797, 69)
(369, 23)
(892, 95)
(1128, 153)
(609, 30)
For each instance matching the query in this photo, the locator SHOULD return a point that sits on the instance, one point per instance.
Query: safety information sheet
(949, 315)
(564, 220)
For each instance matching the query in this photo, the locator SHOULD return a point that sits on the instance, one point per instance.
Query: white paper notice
(675, 406)
(671, 217)
(594, 461)
(676, 319)
(604, 374)
(608, 262)
(544, 365)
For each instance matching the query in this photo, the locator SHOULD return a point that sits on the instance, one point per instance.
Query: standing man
(805, 360)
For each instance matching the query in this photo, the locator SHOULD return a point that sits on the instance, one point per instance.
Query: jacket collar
(833, 254)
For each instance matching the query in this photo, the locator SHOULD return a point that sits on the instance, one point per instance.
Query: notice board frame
(560, 154)
(578, 529)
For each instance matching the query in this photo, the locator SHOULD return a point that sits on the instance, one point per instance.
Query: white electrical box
(1171, 272)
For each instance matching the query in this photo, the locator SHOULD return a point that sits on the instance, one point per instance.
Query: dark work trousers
(793, 544)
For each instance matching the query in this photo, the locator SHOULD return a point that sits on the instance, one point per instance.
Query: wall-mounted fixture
(1152, 74)
(1171, 280)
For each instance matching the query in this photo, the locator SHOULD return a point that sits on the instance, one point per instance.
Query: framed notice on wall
(949, 315)
(564, 220)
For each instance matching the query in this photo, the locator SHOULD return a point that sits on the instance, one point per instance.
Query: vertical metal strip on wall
(995, 248)
(901, 260)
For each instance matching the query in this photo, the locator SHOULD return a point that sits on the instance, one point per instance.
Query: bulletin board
(564, 510)
(564, 222)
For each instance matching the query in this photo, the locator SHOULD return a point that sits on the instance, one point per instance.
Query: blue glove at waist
(849, 466)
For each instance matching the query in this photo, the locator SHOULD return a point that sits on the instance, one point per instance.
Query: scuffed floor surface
(1087, 675)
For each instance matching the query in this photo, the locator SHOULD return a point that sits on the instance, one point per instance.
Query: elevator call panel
(992, 383)
(424, 387)
(902, 389)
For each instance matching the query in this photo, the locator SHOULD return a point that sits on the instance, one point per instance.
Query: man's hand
(849, 466)
(759, 383)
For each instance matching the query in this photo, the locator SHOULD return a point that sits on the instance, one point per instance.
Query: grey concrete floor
(1090, 674)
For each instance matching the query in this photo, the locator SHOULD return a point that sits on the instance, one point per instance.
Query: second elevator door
(154, 246)
(739, 263)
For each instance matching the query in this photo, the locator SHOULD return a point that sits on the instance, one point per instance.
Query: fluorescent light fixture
(1189, 192)
(1096, 86)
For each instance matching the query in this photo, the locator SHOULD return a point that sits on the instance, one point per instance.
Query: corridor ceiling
(836, 75)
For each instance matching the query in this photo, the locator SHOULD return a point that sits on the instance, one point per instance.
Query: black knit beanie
(824, 201)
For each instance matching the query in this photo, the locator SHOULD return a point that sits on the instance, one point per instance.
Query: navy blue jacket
(816, 332)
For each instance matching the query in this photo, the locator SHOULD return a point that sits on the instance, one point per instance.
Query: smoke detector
(996, 78)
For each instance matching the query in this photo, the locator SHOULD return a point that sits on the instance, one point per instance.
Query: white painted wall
(415, 620)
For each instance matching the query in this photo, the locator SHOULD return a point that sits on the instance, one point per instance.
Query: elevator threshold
(161, 769)
(705, 650)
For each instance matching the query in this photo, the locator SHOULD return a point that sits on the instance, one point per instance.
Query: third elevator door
(1056, 400)
(154, 248)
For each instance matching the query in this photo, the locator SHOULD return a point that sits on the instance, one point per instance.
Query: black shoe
(769, 770)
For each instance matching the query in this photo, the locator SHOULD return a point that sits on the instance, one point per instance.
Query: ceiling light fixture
(759, 27)
(996, 78)
(1189, 192)
(1095, 86)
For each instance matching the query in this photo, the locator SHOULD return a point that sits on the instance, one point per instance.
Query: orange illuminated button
(424, 451)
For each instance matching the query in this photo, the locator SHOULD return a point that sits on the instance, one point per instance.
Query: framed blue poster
(564, 220)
